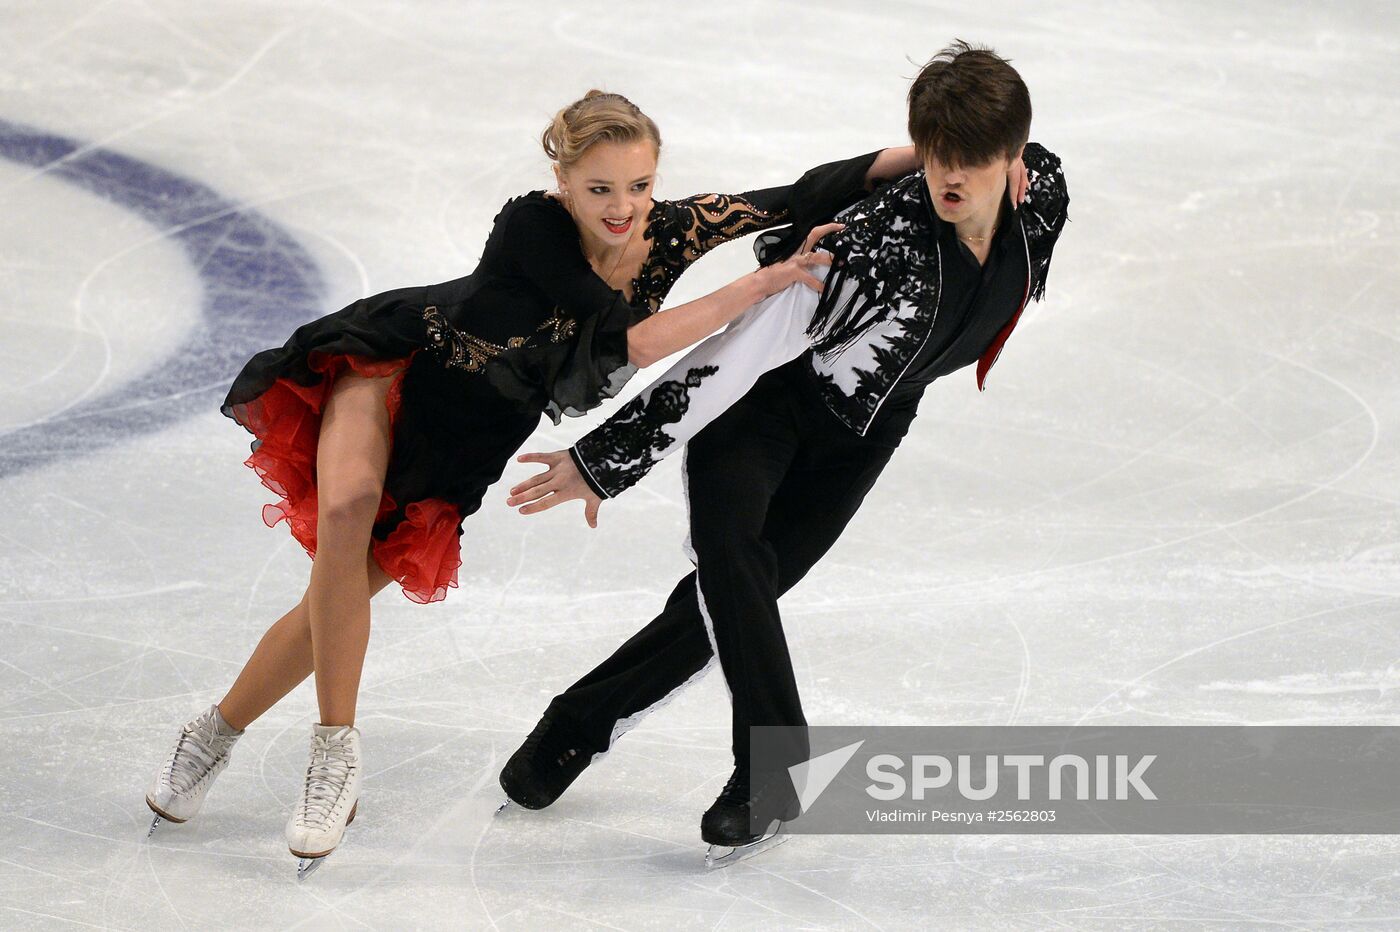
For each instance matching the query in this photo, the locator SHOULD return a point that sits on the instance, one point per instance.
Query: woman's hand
(798, 268)
(1017, 182)
(559, 483)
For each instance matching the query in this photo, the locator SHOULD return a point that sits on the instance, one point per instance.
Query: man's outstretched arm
(704, 384)
(693, 392)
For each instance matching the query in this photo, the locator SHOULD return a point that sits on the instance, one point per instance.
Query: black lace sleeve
(1046, 210)
(812, 200)
(709, 380)
(718, 218)
(578, 357)
(688, 228)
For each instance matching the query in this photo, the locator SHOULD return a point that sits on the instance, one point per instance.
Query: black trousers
(770, 486)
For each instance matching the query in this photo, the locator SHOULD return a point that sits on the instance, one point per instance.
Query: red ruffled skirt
(422, 552)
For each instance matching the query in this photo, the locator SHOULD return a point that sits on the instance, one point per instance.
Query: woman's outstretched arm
(693, 392)
(701, 386)
(662, 334)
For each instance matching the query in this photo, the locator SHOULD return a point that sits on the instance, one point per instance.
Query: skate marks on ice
(257, 284)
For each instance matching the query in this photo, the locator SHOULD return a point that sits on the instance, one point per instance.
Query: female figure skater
(380, 426)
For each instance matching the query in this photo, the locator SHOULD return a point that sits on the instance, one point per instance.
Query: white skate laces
(329, 795)
(201, 753)
(327, 778)
(196, 755)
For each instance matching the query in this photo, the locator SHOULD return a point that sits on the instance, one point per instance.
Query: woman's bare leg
(282, 659)
(352, 456)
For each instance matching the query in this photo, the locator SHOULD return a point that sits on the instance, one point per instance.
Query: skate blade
(159, 817)
(719, 856)
(308, 866)
(505, 804)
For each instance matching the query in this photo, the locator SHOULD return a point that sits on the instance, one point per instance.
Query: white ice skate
(724, 855)
(330, 796)
(201, 753)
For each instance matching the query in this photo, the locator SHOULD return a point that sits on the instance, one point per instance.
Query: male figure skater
(929, 275)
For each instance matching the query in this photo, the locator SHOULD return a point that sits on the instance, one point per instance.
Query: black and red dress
(478, 359)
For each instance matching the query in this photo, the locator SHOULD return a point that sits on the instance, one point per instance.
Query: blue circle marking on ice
(256, 282)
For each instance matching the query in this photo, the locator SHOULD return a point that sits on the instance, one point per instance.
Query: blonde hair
(596, 117)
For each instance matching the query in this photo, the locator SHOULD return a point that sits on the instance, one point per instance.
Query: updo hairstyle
(596, 117)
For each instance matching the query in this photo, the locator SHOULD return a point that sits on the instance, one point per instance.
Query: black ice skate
(541, 770)
(729, 825)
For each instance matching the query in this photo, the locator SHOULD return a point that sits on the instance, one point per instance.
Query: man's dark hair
(968, 106)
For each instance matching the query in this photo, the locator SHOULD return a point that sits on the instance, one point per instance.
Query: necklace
(979, 239)
(621, 254)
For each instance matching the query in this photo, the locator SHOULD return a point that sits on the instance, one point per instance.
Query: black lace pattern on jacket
(1044, 211)
(883, 268)
(885, 254)
(621, 451)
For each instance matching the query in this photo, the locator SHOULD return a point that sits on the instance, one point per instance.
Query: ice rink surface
(1177, 502)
